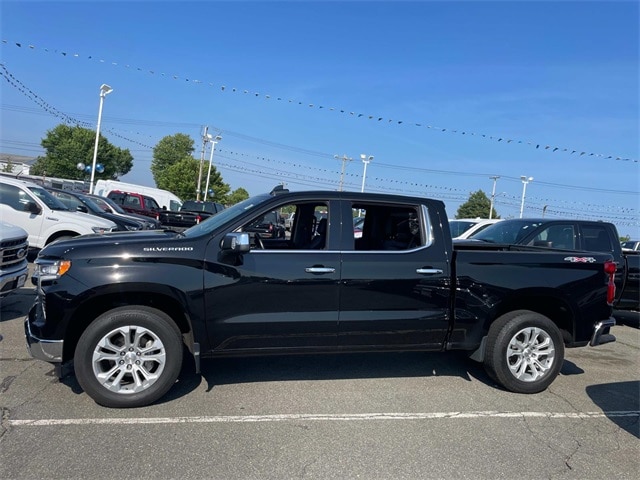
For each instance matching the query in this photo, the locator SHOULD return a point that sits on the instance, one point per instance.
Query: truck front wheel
(129, 357)
(524, 351)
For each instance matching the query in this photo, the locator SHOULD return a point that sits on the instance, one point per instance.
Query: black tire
(524, 351)
(143, 372)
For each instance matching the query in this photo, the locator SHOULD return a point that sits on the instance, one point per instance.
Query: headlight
(101, 229)
(132, 228)
(51, 270)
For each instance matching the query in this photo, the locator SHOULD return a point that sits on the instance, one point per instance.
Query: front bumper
(47, 350)
(601, 333)
(13, 280)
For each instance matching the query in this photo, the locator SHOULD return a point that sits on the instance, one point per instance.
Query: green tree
(8, 168)
(477, 205)
(181, 178)
(169, 151)
(67, 146)
(238, 195)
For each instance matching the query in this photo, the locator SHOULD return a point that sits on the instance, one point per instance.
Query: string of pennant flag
(376, 118)
(68, 119)
(386, 184)
(386, 181)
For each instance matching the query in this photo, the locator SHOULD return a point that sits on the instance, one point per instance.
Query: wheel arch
(94, 306)
(61, 233)
(546, 303)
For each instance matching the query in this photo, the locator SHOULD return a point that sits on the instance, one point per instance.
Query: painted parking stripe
(319, 417)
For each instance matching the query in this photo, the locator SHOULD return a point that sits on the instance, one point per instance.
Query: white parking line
(319, 417)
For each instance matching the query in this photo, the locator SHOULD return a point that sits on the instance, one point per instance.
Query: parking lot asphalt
(373, 416)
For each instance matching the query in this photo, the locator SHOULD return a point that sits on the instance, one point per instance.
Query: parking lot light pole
(215, 140)
(525, 181)
(366, 161)
(104, 91)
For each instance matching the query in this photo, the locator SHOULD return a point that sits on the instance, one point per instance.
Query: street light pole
(366, 161)
(525, 181)
(215, 140)
(493, 195)
(104, 91)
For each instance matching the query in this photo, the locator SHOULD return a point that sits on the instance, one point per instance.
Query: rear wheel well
(94, 307)
(553, 308)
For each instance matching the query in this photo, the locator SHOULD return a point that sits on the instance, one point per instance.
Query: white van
(43, 216)
(163, 198)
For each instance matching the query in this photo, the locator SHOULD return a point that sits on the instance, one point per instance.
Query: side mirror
(542, 243)
(33, 207)
(236, 243)
(82, 208)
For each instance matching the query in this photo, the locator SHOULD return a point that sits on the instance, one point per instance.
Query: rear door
(394, 290)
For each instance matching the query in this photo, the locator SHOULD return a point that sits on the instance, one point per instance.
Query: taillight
(610, 269)
(198, 218)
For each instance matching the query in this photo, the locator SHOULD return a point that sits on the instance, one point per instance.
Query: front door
(282, 295)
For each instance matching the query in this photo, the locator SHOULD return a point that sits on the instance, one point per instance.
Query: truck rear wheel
(129, 357)
(524, 351)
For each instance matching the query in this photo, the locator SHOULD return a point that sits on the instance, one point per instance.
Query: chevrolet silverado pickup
(122, 309)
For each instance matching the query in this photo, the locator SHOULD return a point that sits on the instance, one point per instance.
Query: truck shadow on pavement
(228, 371)
(619, 401)
(354, 366)
(16, 304)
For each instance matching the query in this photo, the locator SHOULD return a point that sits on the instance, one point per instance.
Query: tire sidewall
(155, 321)
(501, 333)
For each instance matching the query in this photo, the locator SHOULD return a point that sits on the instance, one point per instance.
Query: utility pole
(205, 139)
(344, 159)
(493, 195)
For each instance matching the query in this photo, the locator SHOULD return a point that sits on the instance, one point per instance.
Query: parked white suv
(13, 258)
(42, 215)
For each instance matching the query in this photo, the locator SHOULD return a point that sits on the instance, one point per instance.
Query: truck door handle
(429, 271)
(319, 270)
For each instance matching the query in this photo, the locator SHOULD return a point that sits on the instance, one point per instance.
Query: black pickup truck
(123, 307)
(191, 213)
(572, 234)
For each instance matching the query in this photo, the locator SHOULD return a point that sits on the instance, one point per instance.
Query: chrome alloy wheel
(530, 354)
(128, 359)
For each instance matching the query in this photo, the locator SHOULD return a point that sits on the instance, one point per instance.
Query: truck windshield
(506, 231)
(226, 215)
(49, 200)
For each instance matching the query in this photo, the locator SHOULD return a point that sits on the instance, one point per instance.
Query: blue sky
(444, 95)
